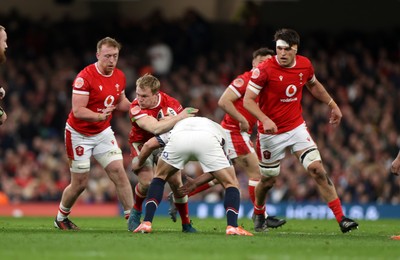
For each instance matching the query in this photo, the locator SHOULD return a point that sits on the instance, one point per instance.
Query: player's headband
(282, 43)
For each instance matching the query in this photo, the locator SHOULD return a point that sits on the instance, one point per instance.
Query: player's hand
(135, 164)
(187, 188)
(269, 126)
(395, 169)
(188, 112)
(106, 113)
(244, 126)
(336, 115)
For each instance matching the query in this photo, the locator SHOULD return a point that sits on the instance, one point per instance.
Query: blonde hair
(109, 42)
(148, 81)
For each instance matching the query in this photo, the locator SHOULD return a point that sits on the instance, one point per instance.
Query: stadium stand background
(355, 48)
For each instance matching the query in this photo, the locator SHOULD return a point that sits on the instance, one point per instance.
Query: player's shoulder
(242, 79)
(134, 103)
(165, 95)
(167, 99)
(246, 75)
(84, 77)
(136, 112)
(268, 62)
(119, 72)
(87, 71)
(303, 60)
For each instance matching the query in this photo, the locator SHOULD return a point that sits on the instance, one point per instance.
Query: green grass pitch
(108, 238)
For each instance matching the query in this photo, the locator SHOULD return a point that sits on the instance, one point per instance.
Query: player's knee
(311, 160)
(270, 170)
(80, 166)
(254, 174)
(108, 157)
(317, 171)
(268, 182)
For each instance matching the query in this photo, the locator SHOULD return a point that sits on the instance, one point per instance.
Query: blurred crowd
(195, 61)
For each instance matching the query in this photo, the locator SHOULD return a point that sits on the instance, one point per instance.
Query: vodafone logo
(291, 90)
(109, 101)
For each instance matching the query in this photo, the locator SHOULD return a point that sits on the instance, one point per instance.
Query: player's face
(107, 59)
(3, 46)
(257, 60)
(286, 55)
(145, 98)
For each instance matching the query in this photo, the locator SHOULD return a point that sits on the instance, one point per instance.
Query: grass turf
(108, 238)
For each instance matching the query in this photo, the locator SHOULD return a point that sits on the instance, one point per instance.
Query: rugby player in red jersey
(144, 111)
(273, 96)
(98, 90)
(239, 124)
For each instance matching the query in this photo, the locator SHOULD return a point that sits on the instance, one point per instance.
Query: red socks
(336, 208)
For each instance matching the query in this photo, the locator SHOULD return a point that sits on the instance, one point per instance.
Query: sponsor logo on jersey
(79, 82)
(291, 90)
(109, 101)
(287, 100)
(101, 88)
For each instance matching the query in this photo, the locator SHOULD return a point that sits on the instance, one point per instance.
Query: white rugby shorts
(81, 147)
(272, 147)
(238, 144)
(203, 146)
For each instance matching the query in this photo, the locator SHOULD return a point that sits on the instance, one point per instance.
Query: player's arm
(395, 168)
(80, 110)
(249, 102)
(145, 152)
(319, 92)
(191, 184)
(226, 103)
(123, 103)
(152, 125)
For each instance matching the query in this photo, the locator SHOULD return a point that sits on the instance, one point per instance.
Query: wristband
(330, 101)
